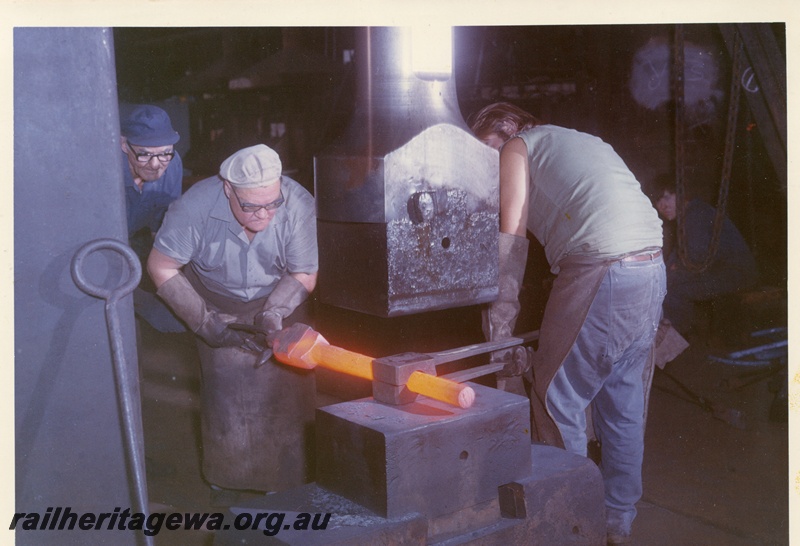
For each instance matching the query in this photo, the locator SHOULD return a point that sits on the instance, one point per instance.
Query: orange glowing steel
(341, 360)
(302, 347)
(441, 389)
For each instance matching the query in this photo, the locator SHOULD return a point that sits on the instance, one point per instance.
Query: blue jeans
(606, 366)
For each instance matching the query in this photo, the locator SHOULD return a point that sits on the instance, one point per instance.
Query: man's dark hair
(662, 183)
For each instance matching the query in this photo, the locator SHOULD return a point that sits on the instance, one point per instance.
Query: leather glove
(284, 299)
(216, 333)
(211, 326)
(500, 317)
(269, 323)
(517, 361)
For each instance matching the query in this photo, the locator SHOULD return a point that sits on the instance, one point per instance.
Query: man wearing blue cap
(153, 175)
(241, 247)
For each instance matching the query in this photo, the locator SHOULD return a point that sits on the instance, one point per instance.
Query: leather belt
(642, 257)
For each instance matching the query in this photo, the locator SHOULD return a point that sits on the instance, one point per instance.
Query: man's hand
(255, 342)
(268, 323)
(517, 361)
(214, 331)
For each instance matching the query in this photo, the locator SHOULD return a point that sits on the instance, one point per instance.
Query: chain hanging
(678, 89)
(727, 162)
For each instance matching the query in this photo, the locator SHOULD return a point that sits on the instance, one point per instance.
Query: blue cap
(149, 125)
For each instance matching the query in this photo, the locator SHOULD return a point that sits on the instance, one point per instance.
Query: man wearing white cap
(242, 247)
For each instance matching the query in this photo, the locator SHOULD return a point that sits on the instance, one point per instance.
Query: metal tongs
(258, 343)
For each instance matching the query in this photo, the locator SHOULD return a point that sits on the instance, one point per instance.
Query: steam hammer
(396, 379)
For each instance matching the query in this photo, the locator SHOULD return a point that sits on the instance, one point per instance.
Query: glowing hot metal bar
(422, 383)
(302, 347)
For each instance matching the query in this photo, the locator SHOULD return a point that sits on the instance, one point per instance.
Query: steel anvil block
(391, 373)
(428, 456)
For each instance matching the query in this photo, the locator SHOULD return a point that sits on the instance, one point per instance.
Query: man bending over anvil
(602, 237)
(241, 247)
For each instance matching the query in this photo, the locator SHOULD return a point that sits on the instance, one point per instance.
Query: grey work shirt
(200, 229)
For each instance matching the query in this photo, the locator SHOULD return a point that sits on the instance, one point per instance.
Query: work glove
(288, 294)
(210, 325)
(517, 361)
(500, 317)
(269, 324)
(215, 332)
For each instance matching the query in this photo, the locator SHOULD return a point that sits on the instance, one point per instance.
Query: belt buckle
(642, 256)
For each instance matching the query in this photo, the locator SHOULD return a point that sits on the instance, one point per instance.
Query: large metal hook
(125, 390)
(110, 295)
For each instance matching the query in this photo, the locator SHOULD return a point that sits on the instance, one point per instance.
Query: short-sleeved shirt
(146, 207)
(583, 199)
(200, 230)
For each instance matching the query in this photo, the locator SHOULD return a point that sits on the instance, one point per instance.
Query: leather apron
(257, 425)
(574, 289)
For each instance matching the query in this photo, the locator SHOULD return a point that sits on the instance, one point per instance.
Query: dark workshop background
(294, 89)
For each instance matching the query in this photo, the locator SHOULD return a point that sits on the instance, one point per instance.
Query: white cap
(254, 167)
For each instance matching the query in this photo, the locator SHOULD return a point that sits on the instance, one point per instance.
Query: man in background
(153, 175)
(701, 276)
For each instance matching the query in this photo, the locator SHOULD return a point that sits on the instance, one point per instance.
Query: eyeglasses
(250, 207)
(145, 157)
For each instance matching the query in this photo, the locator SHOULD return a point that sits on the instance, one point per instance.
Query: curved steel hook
(126, 391)
(110, 295)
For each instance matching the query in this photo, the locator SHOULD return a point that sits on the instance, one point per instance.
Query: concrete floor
(705, 481)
